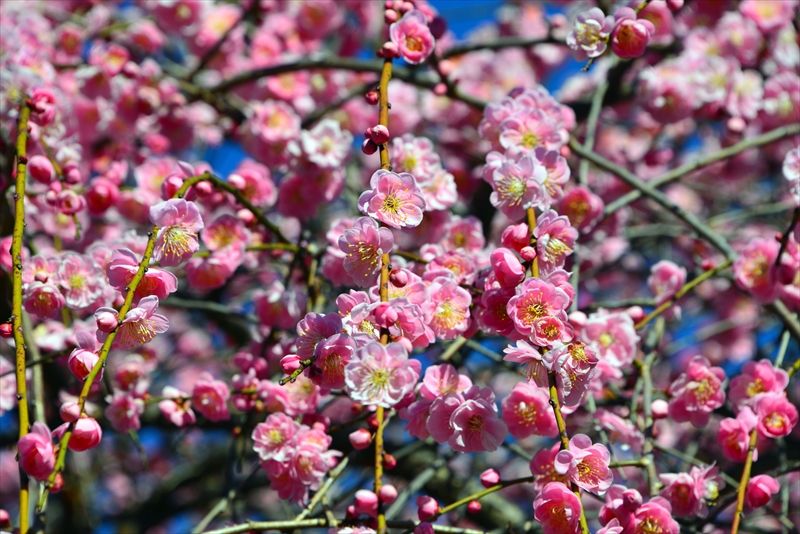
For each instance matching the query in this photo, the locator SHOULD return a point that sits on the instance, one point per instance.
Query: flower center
(475, 423)
(77, 281)
(530, 140)
(414, 43)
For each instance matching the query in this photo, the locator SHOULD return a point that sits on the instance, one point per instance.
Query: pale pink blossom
(213, 271)
(412, 37)
(313, 328)
(697, 392)
(177, 407)
(140, 325)
(530, 129)
(573, 366)
(440, 411)
(36, 452)
(557, 509)
(326, 144)
(273, 439)
(555, 239)
(393, 199)
(363, 246)
(380, 375)
(531, 359)
(586, 464)
(441, 380)
(527, 411)
(43, 300)
(450, 303)
(769, 15)
(589, 36)
(582, 207)
(80, 279)
(223, 231)
(178, 222)
(666, 278)
(124, 411)
(543, 467)
(612, 336)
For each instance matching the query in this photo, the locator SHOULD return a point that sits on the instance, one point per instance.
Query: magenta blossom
(380, 375)
(36, 452)
(760, 489)
(210, 398)
(630, 35)
(43, 300)
(697, 392)
(412, 37)
(272, 439)
(777, 416)
(332, 356)
(123, 268)
(363, 246)
(734, 435)
(178, 222)
(80, 279)
(755, 269)
(688, 492)
(539, 311)
(394, 199)
(177, 407)
(573, 366)
(557, 509)
(586, 464)
(527, 412)
(655, 516)
(441, 380)
(140, 325)
(756, 378)
(665, 280)
(124, 411)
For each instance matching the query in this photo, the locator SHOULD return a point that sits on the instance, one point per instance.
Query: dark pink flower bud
(170, 186)
(41, 170)
(106, 321)
(360, 439)
(42, 102)
(246, 216)
(58, 483)
(237, 181)
(290, 363)
(350, 513)
(86, 435)
(707, 265)
(423, 528)
(490, 478)
(528, 253)
(398, 278)
(736, 124)
(203, 189)
(631, 500)
(438, 26)
(50, 197)
(636, 313)
(36, 452)
(6, 330)
(70, 412)
(405, 7)
(389, 462)
(427, 507)
(102, 194)
(366, 502)
(759, 490)
(5, 520)
(388, 494)
(390, 16)
(474, 507)
(72, 176)
(372, 97)
(389, 50)
(368, 147)
(388, 4)
(368, 133)
(674, 5)
(70, 202)
(380, 134)
(630, 35)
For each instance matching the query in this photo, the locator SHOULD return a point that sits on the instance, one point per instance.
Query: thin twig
(748, 464)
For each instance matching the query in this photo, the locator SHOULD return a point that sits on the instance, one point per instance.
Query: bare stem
(16, 299)
(748, 464)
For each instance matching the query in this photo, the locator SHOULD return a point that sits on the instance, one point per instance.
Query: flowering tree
(511, 310)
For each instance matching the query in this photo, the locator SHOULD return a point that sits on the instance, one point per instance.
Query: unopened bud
(474, 507)
(106, 321)
(290, 363)
(360, 439)
(372, 97)
(368, 147)
(388, 494)
(6, 330)
(379, 134)
(398, 278)
(490, 478)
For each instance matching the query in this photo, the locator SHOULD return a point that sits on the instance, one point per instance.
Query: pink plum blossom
(665, 280)
(140, 325)
(574, 366)
(412, 37)
(380, 375)
(332, 356)
(760, 489)
(688, 492)
(754, 269)
(612, 336)
(557, 509)
(178, 222)
(527, 411)
(539, 311)
(43, 300)
(476, 427)
(177, 407)
(393, 199)
(655, 516)
(630, 35)
(210, 397)
(36, 452)
(555, 239)
(533, 365)
(122, 269)
(776, 415)
(441, 380)
(450, 308)
(124, 411)
(586, 464)
(756, 378)
(697, 392)
(363, 246)
(80, 279)
(734, 435)
(589, 37)
(272, 439)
